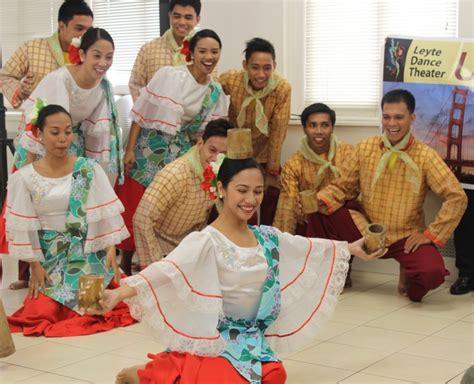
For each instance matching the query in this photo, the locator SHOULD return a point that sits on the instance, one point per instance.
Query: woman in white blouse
(169, 116)
(231, 296)
(84, 91)
(62, 217)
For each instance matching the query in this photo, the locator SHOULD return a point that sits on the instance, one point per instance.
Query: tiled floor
(375, 336)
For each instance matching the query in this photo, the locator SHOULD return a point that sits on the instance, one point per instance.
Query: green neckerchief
(56, 49)
(312, 156)
(178, 57)
(390, 157)
(261, 121)
(116, 145)
(194, 160)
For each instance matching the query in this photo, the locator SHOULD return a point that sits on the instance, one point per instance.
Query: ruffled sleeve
(105, 225)
(97, 133)
(22, 222)
(312, 275)
(160, 104)
(179, 298)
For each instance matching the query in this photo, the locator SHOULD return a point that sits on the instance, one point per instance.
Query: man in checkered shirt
(165, 50)
(175, 204)
(393, 173)
(36, 58)
(260, 99)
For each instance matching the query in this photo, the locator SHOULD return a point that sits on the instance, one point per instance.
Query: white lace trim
(95, 215)
(106, 241)
(294, 297)
(143, 308)
(24, 253)
(30, 144)
(156, 125)
(17, 223)
(100, 127)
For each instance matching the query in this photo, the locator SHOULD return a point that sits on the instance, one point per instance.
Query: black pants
(464, 239)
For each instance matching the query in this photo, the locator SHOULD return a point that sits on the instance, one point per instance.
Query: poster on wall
(440, 74)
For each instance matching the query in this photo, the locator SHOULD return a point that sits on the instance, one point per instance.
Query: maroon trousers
(424, 268)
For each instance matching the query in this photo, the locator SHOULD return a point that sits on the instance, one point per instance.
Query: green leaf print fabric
(155, 149)
(65, 259)
(247, 346)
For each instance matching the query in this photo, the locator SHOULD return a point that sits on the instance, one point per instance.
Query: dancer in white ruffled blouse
(230, 297)
(63, 217)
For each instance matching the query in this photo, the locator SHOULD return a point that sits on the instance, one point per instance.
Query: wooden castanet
(91, 290)
(7, 347)
(239, 143)
(374, 238)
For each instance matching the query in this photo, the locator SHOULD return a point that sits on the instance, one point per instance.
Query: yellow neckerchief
(312, 156)
(55, 46)
(389, 158)
(194, 160)
(261, 121)
(178, 57)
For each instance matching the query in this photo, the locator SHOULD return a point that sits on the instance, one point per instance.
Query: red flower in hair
(30, 127)
(209, 183)
(186, 52)
(73, 51)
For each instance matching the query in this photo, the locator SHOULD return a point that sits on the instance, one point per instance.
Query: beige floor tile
(13, 298)
(457, 379)
(442, 305)
(340, 356)
(376, 338)
(103, 341)
(11, 373)
(333, 329)
(383, 295)
(349, 313)
(302, 373)
(363, 378)
(363, 281)
(139, 350)
(412, 323)
(47, 378)
(469, 318)
(135, 328)
(417, 369)
(48, 356)
(443, 349)
(461, 330)
(25, 342)
(99, 369)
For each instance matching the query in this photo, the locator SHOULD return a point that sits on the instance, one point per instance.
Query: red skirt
(45, 316)
(130, 193)
(185, 368)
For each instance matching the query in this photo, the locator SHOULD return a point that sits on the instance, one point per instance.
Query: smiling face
(243, 194)
(98, 59)
(212, 147)
(206, 55)
(318, 132)
(75, 27)
(57, 134)
(260, 67)
(182, 21)
(396, 121)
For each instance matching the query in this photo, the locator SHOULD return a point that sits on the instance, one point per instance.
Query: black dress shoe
(462, 286)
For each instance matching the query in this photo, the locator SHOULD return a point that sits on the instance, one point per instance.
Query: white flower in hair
(76, 42)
